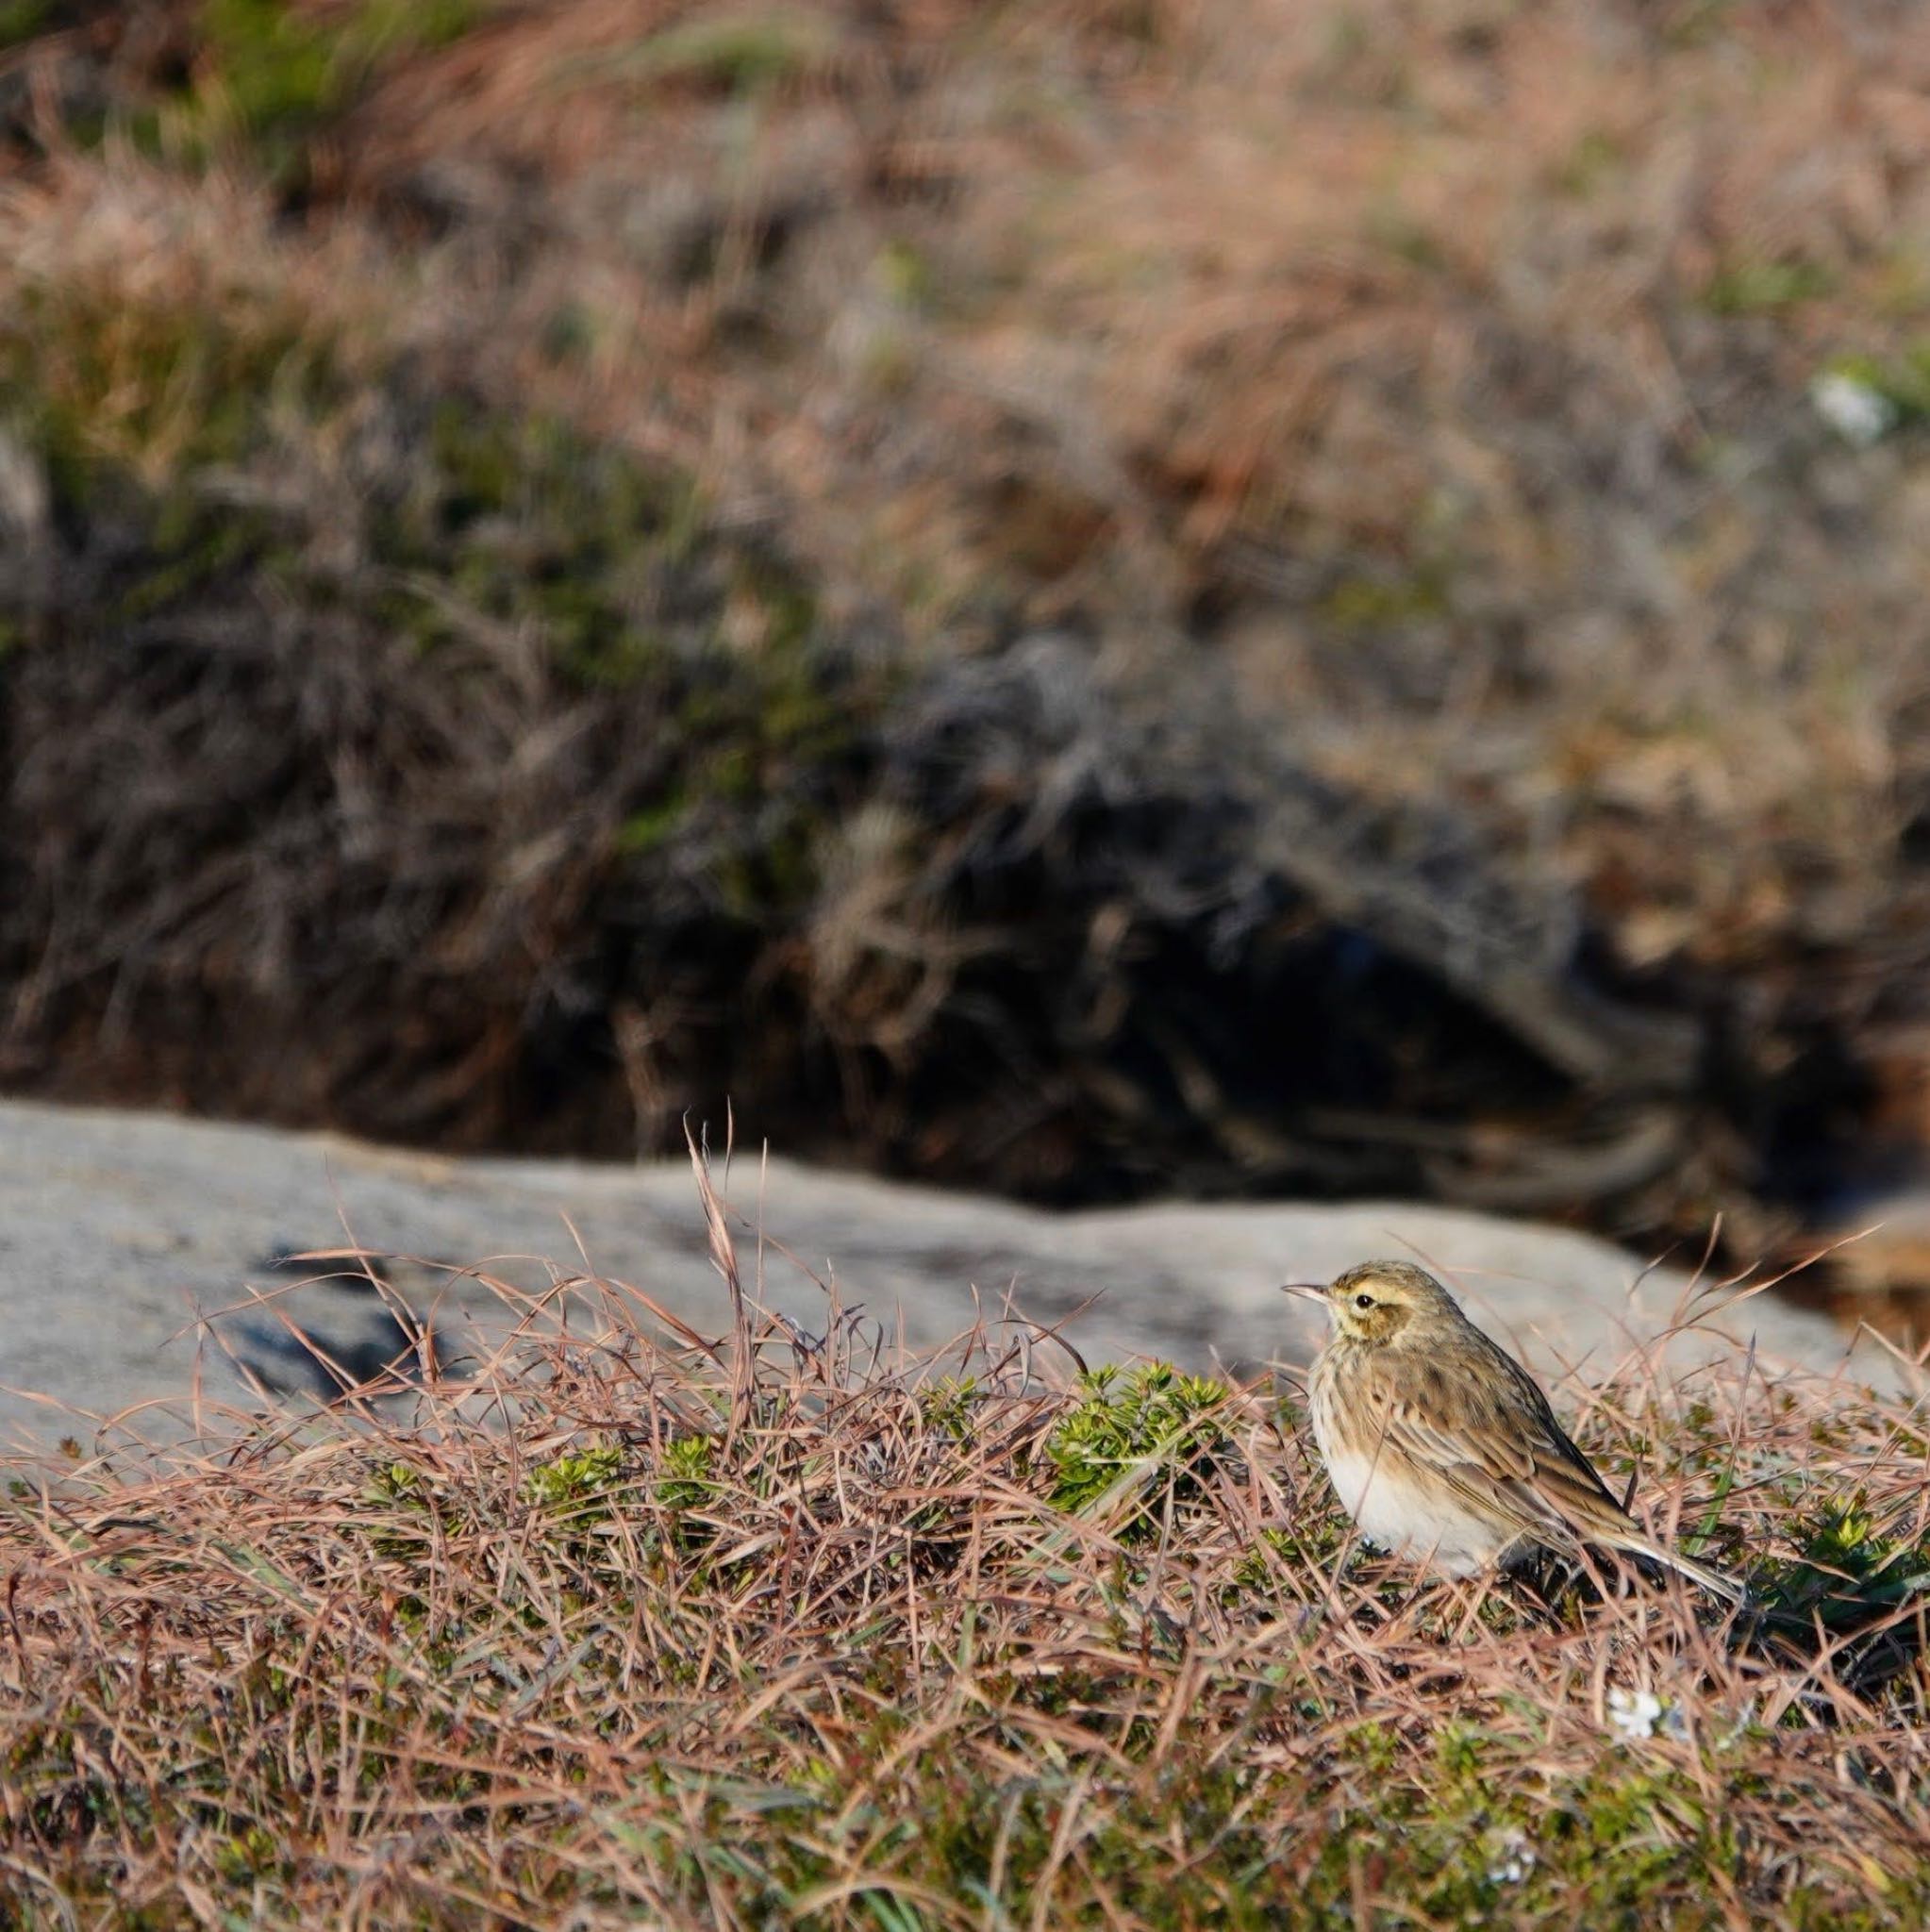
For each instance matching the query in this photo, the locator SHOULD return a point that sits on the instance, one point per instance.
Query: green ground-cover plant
(1137, 1435)
(274, 76)
(772, 1629)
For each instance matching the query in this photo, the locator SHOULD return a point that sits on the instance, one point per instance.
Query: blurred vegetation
(1077, 596)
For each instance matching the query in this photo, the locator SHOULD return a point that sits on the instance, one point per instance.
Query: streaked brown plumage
(1440, 1446)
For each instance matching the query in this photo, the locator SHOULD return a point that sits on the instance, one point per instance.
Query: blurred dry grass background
(1086, 595)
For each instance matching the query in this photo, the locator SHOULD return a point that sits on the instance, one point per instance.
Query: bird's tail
(1716, 1581)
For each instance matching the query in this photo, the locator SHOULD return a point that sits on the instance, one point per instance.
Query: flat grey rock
(119, 1231)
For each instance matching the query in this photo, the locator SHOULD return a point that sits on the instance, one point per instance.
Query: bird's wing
(1495, 1441)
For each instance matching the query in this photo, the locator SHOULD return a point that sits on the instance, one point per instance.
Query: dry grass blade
(724, 1258)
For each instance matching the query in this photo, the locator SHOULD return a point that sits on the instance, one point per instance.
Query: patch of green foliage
(1313, 1542)
(270, 75)
(252, 1854)
(575, 1487)
(684, 1474)
(1759, 285)
(1697, 23)
(1848, 1566)
(1133, 1433)
(404, 1512)
(946, 1404)
(520, 520)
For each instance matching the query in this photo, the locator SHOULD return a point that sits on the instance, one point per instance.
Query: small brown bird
(1439, 1444)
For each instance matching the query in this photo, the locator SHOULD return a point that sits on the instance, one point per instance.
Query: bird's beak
(1312, 1289)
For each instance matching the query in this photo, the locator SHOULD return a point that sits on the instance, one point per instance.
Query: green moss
(21, 20)
(525, 524)
(645, 830)
(1594, 159)
(1363, 603)
(1483, 1841)
(975, 1841)
(737, 53)
(1255, 1571)
(1406, 238)
(904, 274)
(278, 70)
(1697, 23)
(271, 74)
(253, 1854)
(396, 1482)
(1757, 286)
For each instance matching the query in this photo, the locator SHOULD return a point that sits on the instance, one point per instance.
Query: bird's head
(1381, 1302)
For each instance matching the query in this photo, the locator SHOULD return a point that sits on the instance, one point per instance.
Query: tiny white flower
(1634, 1714)
(1514, 1857)
(1851, 407)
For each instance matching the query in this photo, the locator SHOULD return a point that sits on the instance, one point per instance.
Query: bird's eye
(1363, 1301)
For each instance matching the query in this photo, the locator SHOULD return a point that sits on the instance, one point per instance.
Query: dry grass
(776, 1628)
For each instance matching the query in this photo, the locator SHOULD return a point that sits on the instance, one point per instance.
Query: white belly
(1424, 1527)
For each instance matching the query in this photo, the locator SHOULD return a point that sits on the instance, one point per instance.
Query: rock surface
(117, 1230)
